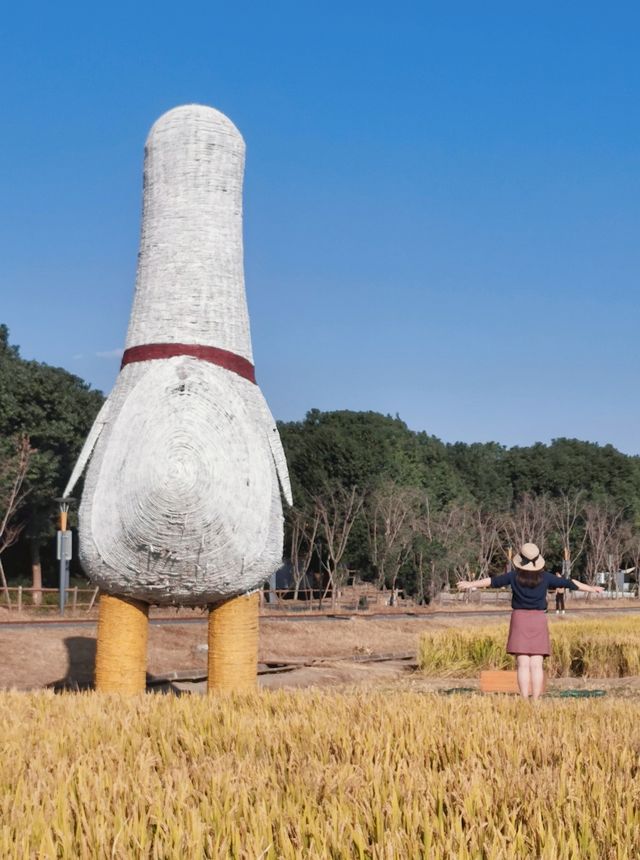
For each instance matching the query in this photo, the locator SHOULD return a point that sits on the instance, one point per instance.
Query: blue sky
(441, 200)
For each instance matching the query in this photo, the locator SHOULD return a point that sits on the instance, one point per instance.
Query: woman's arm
(465, 585)
(582, 586)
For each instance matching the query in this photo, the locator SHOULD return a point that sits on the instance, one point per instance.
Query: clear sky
(441, 200)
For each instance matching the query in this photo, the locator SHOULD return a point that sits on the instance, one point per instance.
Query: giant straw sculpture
(181, 502)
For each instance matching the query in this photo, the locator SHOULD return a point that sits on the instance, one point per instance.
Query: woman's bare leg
(536, 665)
(524, 675)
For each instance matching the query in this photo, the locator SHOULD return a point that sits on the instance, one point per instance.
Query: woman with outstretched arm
(528, 631)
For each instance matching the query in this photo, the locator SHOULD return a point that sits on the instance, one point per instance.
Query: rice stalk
(318, 775)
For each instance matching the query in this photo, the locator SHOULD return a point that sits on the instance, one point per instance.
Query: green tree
(484, 469)
(570, 465)
(55, 409)
(15, 455)
(367, 450)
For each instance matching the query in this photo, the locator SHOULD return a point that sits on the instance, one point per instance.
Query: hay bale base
(121, 655)
(233, 645)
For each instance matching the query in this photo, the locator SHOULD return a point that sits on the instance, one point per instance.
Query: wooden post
(5, 587)
(96, 591)
(36, 572)
(233, 645)
(19, 599)
(74, 599)
(121, 655)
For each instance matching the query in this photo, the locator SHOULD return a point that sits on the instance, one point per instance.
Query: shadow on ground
(81, 661)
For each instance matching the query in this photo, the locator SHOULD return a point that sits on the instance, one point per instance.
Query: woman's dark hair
(528, 578)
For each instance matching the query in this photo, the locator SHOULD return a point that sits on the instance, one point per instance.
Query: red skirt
(529, 632)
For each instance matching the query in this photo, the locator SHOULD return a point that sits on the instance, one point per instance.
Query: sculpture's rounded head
(194, 125)
(190, 281)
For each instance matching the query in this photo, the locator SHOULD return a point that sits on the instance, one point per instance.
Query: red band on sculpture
(212, 354)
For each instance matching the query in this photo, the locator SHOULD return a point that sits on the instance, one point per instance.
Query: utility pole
(64, 549)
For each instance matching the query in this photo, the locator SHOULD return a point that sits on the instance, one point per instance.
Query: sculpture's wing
(89, 445)
(277, 451)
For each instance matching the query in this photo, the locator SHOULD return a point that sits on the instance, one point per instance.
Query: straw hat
(528, 558)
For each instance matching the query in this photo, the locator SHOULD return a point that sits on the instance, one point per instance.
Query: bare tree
(337, 510)
(567, 512)
(419, 563)
(530, 521)
(455, 530)
(462, 541)
(304, 529)
(602, 526)
(426, 549)
(617, 549)
(390, 512)
(487, 528)
(471, 535)
(13, 471)
(632, 553)
(427, 544)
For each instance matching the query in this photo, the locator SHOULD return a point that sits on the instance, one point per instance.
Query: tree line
(405, 510)
(400, 507)
(45, 415)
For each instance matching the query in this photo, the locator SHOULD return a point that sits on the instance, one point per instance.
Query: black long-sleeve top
(531, 598)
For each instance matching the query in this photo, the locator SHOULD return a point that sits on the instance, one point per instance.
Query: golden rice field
(318, 775)
(590, 649)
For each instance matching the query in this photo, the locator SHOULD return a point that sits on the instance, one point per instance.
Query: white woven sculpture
(181, 503)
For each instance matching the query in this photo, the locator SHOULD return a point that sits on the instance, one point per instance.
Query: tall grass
(592, 649)
(316, 775)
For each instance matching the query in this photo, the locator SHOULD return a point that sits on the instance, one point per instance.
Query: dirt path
(36, 658)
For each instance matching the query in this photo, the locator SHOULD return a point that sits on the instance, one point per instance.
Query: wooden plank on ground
(501, 681)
